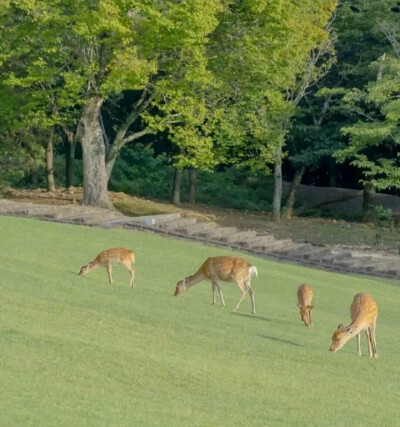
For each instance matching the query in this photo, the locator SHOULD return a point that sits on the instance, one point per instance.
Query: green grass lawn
(76, 351)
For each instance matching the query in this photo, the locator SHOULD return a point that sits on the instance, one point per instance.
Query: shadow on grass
(252, 316)
(265, 319)
(280, 340)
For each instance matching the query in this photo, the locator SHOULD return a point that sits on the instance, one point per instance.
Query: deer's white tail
(253, 271)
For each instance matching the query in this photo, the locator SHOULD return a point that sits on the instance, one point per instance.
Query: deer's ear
(350, 330)
(310, 307)
(340, 326)
(298, 305)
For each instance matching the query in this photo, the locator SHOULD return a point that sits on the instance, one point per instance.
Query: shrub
(139, 172)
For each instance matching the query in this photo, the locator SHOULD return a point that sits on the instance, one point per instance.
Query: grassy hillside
(78, 351)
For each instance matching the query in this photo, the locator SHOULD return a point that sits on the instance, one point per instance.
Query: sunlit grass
(78, 351)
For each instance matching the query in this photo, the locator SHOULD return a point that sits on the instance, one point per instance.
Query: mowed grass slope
(78, 351)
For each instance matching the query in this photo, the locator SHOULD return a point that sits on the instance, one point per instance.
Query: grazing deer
(363, 312)
(108, 257)
(222, 269)
(304, 297)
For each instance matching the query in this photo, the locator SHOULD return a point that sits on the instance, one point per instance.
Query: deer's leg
(373, 340)
(129, 267)
(109, 272)
(309, 318)
(218, 285)
(243, 289)
(359, 344)
(132, 282)
(251, 293)
(368, 334)
(213, 286)
(246, 287)
(240, 300)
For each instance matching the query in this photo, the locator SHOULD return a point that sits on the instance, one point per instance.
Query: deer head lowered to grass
(304, 298)
(363, 312)
(109, 257)
(222, 269)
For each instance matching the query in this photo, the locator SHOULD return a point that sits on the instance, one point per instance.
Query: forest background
(214, 101)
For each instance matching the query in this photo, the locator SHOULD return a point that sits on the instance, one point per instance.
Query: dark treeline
(212, 101)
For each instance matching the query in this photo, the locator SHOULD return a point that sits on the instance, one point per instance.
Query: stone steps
(197, 227)
(7, 207)
(176, 223)
(330, 258)
(274, 246)
(237, 236)
(305, 251)
(226, 236)
(253, 242)
(99, 219)
(216, 233)
(350, 262)
(293, 249)
(24, 209)
(315, 253)
(65, 214)
(89, 218)
(156, 219)
(379, 264)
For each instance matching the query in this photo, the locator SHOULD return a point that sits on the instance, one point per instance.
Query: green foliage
(138, 172)
(380, 212)
(78, 52)
(18, 157)
(374, 136)
(78, 351)
(259, 50)
(234, 188)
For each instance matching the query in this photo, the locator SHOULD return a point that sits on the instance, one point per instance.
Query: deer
(304, 298)
(222, 269)
(363, 313)
(109, 257)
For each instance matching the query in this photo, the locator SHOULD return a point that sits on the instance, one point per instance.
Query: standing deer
(108, 257)
(363, 312)
(222, 269)
(304, 298)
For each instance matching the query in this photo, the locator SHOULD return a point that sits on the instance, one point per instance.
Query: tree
(374, 136)
(95, 49)
(263, 49)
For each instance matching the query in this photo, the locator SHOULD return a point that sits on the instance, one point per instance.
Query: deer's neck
(359, 325)
(193, 280)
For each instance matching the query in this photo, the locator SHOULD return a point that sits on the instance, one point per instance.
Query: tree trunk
(368, 202)
(176, 191)
(69, 164)
(50, 163)
(192, 185)
(276, 206)
(298, 176)
(93, 152)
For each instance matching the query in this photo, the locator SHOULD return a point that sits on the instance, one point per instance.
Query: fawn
(304, 297)
(222, 269)
(363, 312)
(108, 257)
